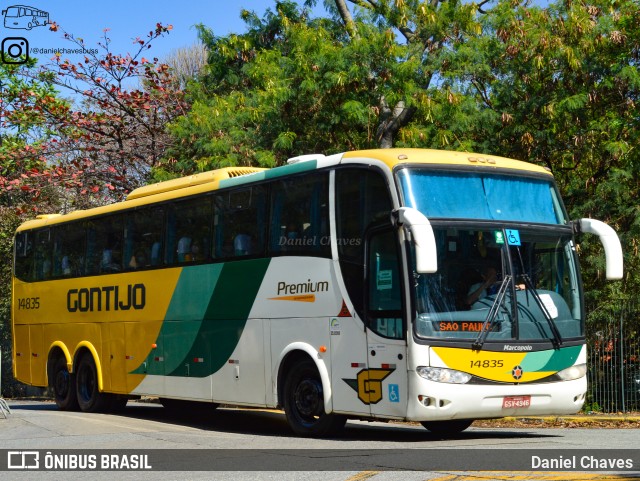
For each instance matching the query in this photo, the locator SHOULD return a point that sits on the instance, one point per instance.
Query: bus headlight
(440, 374)
(573, 372)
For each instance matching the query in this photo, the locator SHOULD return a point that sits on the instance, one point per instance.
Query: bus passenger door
(386, 343)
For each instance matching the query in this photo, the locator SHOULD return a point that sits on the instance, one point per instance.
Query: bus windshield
(525, 289)
(486, 196)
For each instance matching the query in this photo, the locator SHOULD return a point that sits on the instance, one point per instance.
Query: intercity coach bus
(400, 284)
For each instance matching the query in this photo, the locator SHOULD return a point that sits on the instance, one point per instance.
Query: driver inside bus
(487, 287)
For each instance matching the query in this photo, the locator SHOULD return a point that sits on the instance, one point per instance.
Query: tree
(293, 84)
(102, 144)
(560, 86)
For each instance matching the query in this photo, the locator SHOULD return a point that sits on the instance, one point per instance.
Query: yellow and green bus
(397, 284)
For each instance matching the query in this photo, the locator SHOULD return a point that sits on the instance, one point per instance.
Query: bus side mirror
(423, 238)
(610, 242)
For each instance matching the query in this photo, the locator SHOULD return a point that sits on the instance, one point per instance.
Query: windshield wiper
(491, 316)
(557, 338)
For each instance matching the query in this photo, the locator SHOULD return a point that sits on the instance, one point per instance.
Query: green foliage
(8, 223)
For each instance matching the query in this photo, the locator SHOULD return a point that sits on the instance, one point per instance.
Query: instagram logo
(15, 50)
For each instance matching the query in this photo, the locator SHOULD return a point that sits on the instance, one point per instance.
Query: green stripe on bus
(549, 361)
(205, 319)
(225, 318)
(270, 174)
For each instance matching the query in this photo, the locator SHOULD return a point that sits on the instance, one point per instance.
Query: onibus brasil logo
(24, 17)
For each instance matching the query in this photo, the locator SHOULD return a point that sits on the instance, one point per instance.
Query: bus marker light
(154, 345)
(198, 359)
(323, 349)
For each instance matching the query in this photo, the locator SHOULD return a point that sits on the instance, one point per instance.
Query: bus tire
(90, 399)
(63, 385)
(444, 428)
(304, 403)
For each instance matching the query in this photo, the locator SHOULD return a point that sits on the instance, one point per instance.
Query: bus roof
(233, 176)
(398, 156)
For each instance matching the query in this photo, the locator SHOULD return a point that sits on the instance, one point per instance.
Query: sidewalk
(592, 420)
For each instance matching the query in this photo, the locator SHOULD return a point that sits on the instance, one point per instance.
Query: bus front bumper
(429, 401)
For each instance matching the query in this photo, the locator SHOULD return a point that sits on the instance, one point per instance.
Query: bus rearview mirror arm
(610, 242)
(423, 238)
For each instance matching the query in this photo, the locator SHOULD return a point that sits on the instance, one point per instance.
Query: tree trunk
(391, 121)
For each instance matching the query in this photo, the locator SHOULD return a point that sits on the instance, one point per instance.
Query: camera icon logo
(15, 50)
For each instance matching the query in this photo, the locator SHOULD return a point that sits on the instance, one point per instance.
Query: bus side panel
(242, 379)
(21, 354)
(115, 356)
(136, 352)
(38, 355)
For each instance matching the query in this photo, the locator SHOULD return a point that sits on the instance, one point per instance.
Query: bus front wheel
(447, 427)
(63, 384)
(90, 399)
(304, 403)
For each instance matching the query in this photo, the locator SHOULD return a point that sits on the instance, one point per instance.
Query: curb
(574, 419)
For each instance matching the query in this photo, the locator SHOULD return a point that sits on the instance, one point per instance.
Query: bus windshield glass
(514, 284)
(486, 196)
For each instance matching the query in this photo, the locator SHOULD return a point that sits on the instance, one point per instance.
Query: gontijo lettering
(107, 298)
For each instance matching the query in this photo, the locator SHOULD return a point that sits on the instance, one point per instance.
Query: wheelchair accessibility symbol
(394, 393)
(513, 237)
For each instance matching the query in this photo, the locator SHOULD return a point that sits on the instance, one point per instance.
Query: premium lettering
(107, 298)
(303, 287)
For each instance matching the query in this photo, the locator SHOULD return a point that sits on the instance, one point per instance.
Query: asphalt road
(242, 439)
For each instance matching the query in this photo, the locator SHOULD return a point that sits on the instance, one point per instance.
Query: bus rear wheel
(63, 384)
(304, 403)
(90, 399)
(447, 427)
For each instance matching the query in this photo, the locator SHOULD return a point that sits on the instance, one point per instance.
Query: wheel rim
(308, 399)
(86, 383)
(61, 385)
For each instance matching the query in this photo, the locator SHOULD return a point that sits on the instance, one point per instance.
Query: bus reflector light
(154, 345)
(323, 349)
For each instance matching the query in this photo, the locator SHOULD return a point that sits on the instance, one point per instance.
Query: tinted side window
(104, 245)
(300, 216)
(143, 238)
(385, 301)
(24, 255)
(189, 231)
(43, 265)
(69, 250)
(362, 199)
(240, 222)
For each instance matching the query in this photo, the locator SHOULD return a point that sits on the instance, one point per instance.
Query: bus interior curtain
(469, 196)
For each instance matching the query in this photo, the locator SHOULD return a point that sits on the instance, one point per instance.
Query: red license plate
(517, 402)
